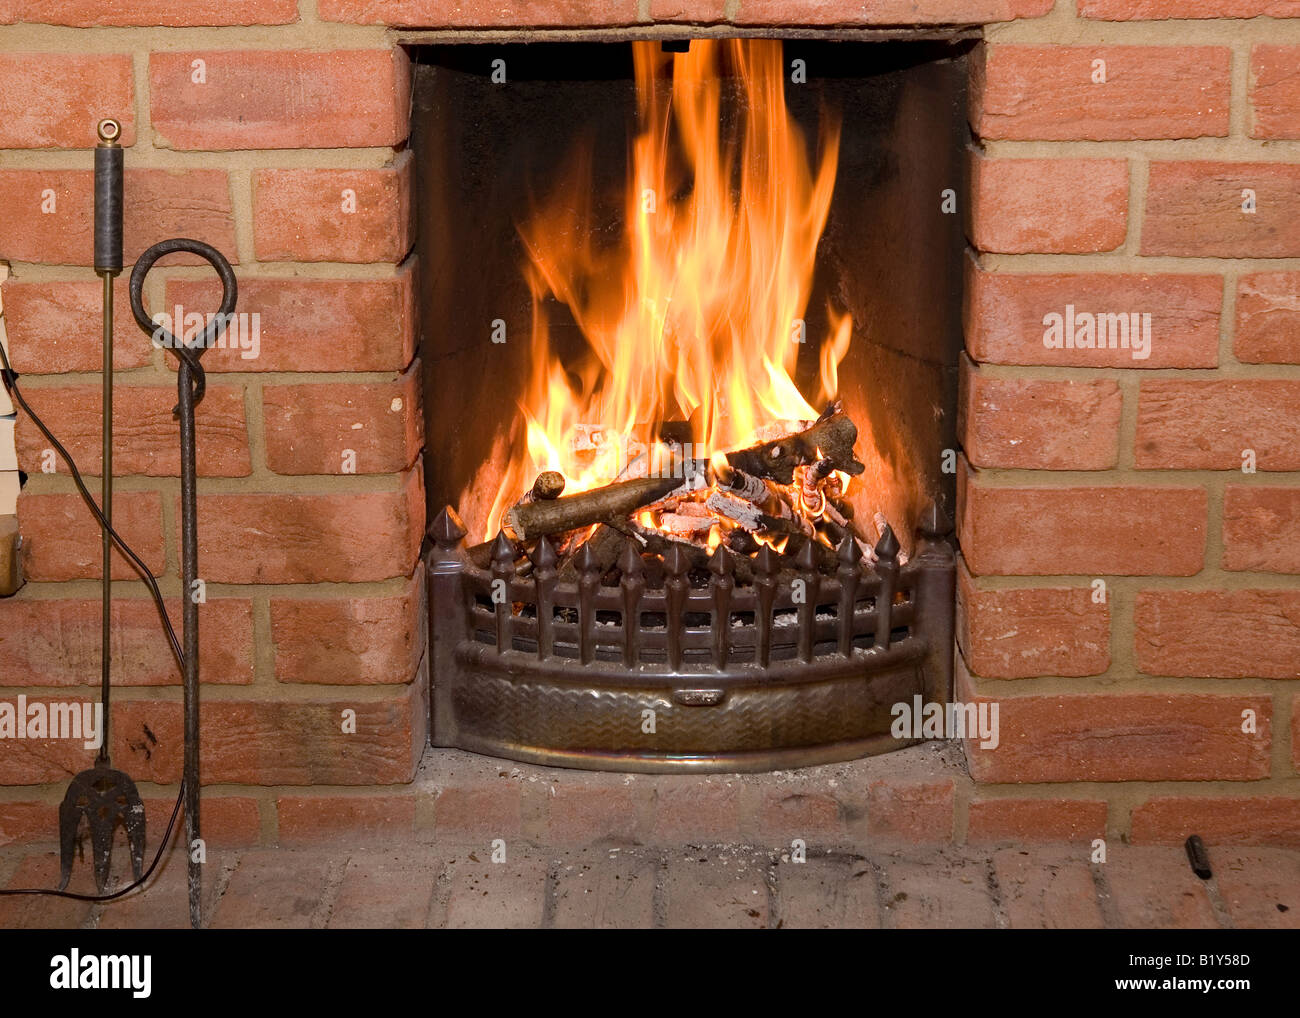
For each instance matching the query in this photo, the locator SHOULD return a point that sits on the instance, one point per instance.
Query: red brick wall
(1080, 465)
(1087, 467)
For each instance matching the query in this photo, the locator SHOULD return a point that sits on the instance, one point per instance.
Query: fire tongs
(104, 795)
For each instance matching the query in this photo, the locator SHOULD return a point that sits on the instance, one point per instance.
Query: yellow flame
(696, 314)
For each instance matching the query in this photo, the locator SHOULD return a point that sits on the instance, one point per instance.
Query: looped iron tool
(105, 796)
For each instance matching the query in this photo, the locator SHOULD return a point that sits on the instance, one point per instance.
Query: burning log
(606, 545)
(788, 490)
(685, 524)
(609, 504)
(830, 438)
(661, 544)
(752, 517)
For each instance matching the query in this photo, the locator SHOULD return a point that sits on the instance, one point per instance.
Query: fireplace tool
(104, 795)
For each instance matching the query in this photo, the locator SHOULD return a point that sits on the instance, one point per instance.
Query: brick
(696, 809)
(344, 428)
(485, 895)
(43, 912)
(1261, 529)
(1005, 315)
(1047, 92)
(1035, 820)
(1260, 889)
(1154, 888)
(1120, 530)
(1037, 423)
(1048, 891)
(311, 324)
(57, 642)
(827, 894)
(791, 813)
(916, 812)
(29, 761)
(1195, 209)
(579, 814)
(1065, 206)
(1160, 10)
(702, 12)
(385, 891)
(164, 903)
(609, 892)
(158, 204)
(944, 892)
(1025, 633)
(1274, 92)
(1219, 820)
(144, 431)
(1207, 425)
(307, 820)
(1268, 318)
(62, 540)
(1231, 634)
(55, 100)
(273, 889)
(724, 891)
(26, 823)
(228, 821)
(269, 99)
(261, 742)
(56, 327)
(886, 12)
(368, 535)
(298, 214)
(480, 13)
(470, 815)
(1122, 737)
(162, 13)
(350, 640)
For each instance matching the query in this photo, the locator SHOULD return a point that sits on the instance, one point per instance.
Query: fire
(696, 313)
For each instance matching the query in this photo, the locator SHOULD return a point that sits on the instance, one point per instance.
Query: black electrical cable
(10, 379)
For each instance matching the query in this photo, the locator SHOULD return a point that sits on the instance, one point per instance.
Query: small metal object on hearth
(1198, 857)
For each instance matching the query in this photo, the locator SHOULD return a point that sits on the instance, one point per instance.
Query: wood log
(685, 525)
(659, 545)
(830, 438)
(606, 543)
(609, 504)
(753, 518)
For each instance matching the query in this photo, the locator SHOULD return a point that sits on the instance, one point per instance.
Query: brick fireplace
(1128, 512)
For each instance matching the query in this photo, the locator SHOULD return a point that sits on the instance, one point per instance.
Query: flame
(696, 313)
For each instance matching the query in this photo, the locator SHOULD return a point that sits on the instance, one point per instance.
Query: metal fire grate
(771, 669)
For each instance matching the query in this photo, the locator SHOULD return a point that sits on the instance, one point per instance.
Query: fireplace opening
(690, 320)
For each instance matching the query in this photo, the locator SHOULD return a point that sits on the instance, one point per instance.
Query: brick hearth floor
(705, 886)
(616, 850)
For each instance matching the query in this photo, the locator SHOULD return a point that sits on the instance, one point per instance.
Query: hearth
(690, 328)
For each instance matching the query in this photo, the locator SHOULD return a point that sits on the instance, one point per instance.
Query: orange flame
(696, 313)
